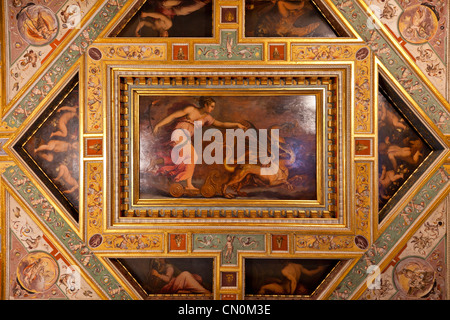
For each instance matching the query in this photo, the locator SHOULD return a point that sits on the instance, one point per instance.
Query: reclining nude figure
(172, 280)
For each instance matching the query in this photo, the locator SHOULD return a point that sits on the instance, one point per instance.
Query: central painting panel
(254, 146)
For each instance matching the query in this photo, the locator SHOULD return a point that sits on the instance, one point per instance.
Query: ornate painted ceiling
(358, 90)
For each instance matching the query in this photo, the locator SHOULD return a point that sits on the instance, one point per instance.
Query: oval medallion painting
(418, 24)
(37, 272)
(37, 24)
(414, 277)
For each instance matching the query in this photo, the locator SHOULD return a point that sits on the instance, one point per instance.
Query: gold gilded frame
(76, 69)
(341, 64)
(186, 203)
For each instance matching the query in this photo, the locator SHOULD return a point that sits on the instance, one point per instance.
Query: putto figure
(185, 120)
(170, 18)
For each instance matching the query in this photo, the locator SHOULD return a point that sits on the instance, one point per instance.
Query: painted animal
(246, 174)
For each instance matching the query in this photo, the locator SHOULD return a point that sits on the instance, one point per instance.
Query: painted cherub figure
(229, 248)
(285, 24)
(67, 114)
(47, 151)
(161, 19)
(65, 176)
